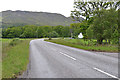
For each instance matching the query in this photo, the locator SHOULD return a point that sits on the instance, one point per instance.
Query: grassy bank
(86, 45)
(15, 57)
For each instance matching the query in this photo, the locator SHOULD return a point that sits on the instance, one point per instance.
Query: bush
(14, 42)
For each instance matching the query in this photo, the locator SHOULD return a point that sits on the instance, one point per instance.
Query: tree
(115, 37)
(59, 29)
(47, 30)
(103, 19)
(30, 31)
(89, 32)
(4, 33)
(66, 31)
(78, 28)
(104, 24)
(53, 34)
(40, 32)
(16, 31)
(89, 9)
(12, 32)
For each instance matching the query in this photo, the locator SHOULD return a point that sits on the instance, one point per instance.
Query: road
(50, 60)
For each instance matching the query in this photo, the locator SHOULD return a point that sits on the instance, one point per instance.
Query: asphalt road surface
(50, 60)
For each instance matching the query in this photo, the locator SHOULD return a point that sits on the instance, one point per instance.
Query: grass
(86, 45)
(6, 40)
(14, 57)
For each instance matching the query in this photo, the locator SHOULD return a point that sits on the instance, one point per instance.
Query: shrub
(14, 42)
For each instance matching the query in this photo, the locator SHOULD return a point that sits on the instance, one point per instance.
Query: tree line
(32, 31)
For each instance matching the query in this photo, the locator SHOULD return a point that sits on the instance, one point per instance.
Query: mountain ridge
(20, 18)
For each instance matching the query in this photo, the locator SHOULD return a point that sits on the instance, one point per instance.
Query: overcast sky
(54, 6)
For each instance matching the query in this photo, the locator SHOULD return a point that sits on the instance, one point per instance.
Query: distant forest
(32, 31)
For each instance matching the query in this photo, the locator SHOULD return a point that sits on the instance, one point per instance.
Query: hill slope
(19, 18)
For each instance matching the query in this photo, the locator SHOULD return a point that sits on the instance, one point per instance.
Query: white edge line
(106, 73)
(68, 56)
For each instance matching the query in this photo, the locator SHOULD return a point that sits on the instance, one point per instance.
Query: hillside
(19, 18)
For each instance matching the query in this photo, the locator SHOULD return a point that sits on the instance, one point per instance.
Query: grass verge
(14, 57)
(86, 45)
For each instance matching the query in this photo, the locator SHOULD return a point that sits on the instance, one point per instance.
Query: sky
(63, 7)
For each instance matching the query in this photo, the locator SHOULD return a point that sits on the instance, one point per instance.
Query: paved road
(50, 60)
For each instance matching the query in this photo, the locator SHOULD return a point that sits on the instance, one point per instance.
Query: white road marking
(68, 56)
(106, 73)
(93, 68)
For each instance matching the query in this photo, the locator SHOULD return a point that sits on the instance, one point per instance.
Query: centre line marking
(68, 56)
(106, 73)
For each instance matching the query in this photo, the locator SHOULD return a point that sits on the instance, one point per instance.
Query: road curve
(50, 60)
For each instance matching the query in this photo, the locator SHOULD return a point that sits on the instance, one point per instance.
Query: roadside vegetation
(15, 57)
(100, 27)
(86, 45)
